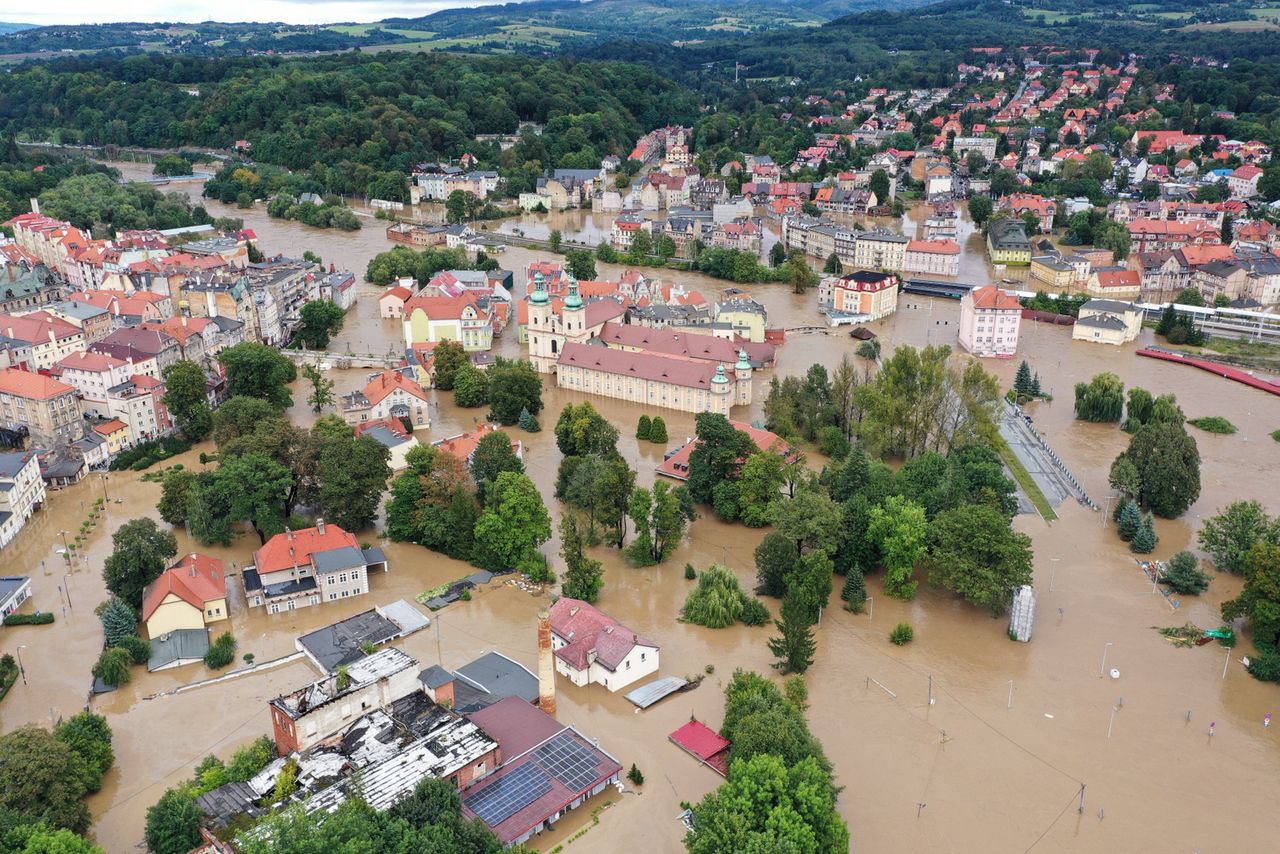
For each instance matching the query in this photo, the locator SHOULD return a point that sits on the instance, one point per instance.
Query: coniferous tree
(1022, 381)
(795, 647)
(1130, 522)
(1144, 541)
(643, 428)
(854, 592)
(118, 621)
(528, 423)
(1035, 386)
(658, 430)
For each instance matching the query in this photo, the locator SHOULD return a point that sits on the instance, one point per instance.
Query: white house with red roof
(590, 646)
(390, 394)
(989, 322)
(1243, 182)
(300, 568)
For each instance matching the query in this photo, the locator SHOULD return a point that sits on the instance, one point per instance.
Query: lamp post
(871, 607)
(22, 669)
(103, 477)
(1053, 568)
(1103, 671)
(66, 548)
(66, 583)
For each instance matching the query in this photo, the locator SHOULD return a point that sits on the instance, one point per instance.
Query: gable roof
(993, 298)
(195, 579)
(31, 386)
(584, 629)
(389, 381)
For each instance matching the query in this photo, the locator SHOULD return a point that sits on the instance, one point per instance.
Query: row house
(139, 403)
(625, 227)
(878, 249)
(50, 338)
(741, 235)
(149, 350)
(290, 285)
(1020, 204)
(25, 286)
(862, 292)
(46, 409)
(199, 339)
(1151, 235)
(1126, 211)
(932, 257)
(51, 240)
(96, 323)
(92, 375)
(22, 493)
(1255, 279)
(848, 202)
(684, 230)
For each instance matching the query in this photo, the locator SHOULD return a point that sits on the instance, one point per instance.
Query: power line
(1056, 818)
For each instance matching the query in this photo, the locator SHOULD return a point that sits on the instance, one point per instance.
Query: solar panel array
(509, 794)
(568, 761)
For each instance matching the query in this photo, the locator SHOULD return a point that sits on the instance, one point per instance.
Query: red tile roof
(88, 361)
(991, 297)
(677, 465)
(705, 743)
(464, 445)
(387, 382)
(584, 628)
(936, 247)
(195, 579)
(294, 548)
(106, 428)
(444, 308)
(31, 386)
(1119, 279)
(669, 342)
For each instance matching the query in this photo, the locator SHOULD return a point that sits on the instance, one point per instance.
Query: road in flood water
(965, 774)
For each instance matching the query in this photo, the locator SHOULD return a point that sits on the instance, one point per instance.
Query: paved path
(1053, 478)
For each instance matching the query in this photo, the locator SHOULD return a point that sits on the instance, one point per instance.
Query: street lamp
(22, 669)
(66, 583)
(103, 477)
(1053, 568)
(1105, 650)
(66, 548)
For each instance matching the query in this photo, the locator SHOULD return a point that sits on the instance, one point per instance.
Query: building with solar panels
(547, 769)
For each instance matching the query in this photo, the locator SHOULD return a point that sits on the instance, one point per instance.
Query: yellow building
(746, 316)
(191, 594)
(1052, 271)
(115, 433)
(669, 382)
(1007, 242)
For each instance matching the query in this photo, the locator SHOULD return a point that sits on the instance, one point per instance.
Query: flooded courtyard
(984, 768)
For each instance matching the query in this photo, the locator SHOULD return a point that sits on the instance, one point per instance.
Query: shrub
(112, 666)
(754, 613)
(901, 634)
(1275, 434)
(1214, 424)
(222, 653)
(139, 650)
(690, 573)
(658, 430)
(869, 350)
(1265, 666)
(39, 618)
(1184, 575)
(635, 776)
(718, 601)
(643, 428)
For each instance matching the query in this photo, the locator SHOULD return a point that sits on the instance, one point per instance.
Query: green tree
(899, 529)
(777, 254)
(581, 431)
(759, 487)
(240, 416)
(44, 779)
(583, 576)
(1184, 576)
(1139, 408)
(1101, 399)
(716, 601)
(138, 649)
(470, 387)
(555, 239)
(118, 621)
(832, 267)
(1022, 381)
(1230, 535)
(256, 370)
(1124, 477)
(492, 456)
(714, 459)
(1168, 464)
(171, 164)
(811, 520)
(90, 737)
(660, 521)
(39, 840)
(974, 552)
(643, 427)
(1259, 599)
(353, 473)
(800, 275)
(173, 823)
(1144, 541)
(140, 551)
(321, 388)
(1114, 236)
(112, 666)
(980, 208)
(187, 399)
(319, 320)
(514, 522)
(580, 265)
(1129, 522)
(514, 386)
(658, 430)
(449, 358)
(879, 186)
(854, 591)
(775, 559)
(256, 488)
(794, 647)
(528, 423)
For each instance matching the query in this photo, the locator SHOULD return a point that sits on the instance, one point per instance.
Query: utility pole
(66, 582)
(439, 657)
(1081, 810)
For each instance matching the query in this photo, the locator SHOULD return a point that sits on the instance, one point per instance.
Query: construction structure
(1022, 614)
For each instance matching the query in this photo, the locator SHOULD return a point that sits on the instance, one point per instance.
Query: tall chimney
(320, 527)
(546, 666)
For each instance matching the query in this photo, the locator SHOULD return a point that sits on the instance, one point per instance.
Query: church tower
(721, 392)
(742, 379)
(575, 314)
(542, 345)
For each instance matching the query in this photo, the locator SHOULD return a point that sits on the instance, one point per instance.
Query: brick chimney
(546, 666)
(320, 527)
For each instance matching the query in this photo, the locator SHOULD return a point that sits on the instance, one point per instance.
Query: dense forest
(339, 111)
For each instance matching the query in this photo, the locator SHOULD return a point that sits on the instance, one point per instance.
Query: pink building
(989, 321)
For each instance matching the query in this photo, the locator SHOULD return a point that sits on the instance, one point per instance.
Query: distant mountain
(535, 27)
(6, 28)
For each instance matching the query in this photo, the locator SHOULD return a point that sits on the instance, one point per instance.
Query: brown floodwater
(965, 774)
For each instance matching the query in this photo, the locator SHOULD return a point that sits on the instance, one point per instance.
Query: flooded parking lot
(972, 772)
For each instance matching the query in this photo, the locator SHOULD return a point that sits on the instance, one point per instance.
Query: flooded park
(964, 741)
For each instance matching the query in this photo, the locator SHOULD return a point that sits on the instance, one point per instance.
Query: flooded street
(965, 774)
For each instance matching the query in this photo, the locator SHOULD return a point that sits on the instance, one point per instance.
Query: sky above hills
(189, 11)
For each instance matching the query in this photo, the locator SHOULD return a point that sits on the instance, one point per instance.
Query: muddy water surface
(967, 773)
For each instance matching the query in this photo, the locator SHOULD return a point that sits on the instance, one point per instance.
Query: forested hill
(344, 111)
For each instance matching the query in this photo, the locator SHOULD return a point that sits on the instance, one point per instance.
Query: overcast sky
(289, 11)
